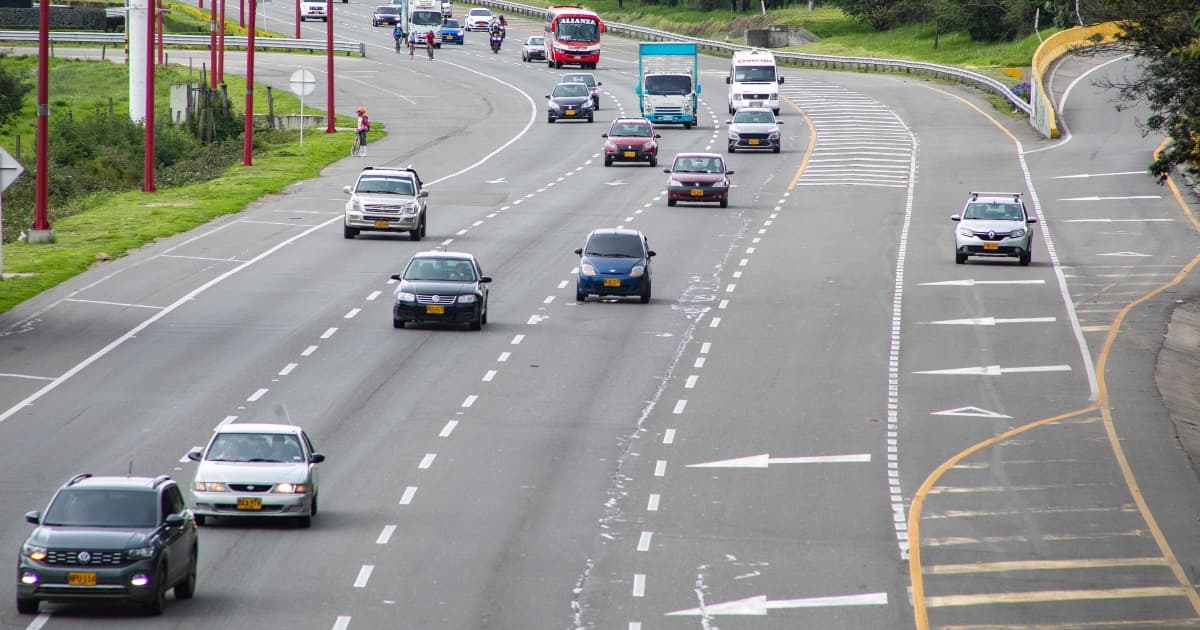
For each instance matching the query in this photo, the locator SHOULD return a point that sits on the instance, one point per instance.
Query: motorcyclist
(497, 36)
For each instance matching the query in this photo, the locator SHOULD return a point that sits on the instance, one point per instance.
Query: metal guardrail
(798, 59)
(198, 41)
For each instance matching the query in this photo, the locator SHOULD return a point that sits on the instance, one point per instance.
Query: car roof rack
(77, 478)
(976, 194)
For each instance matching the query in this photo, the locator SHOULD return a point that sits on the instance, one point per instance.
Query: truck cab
(425, 16)
(668, 82)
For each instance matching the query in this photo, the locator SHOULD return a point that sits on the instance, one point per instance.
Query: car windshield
(585, 79)
(92, 507)
(567, 91)
(450, 24)
(479, 13)
(537, 41)
(440, 269)
(387, 10)
(993, 212)
(698, 165)
(385, 186)
(668, 84)
(753, 117)
(614, 246)
(255, 447)
(630, 130)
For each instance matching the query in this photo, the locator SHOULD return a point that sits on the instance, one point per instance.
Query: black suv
(116, 538)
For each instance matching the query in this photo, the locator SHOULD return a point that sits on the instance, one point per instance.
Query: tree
(12, 93)
(1164, 35)
(884, 14)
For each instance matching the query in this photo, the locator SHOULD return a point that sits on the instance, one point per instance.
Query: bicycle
(355, 146)
(429, 49)
(412, 46)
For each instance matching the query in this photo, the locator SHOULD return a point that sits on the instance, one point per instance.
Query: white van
(753, 80)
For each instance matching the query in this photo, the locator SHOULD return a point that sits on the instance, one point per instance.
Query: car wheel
(776, 111)
(304, 522)
(580, 296)
(687, 125)
(732, 110)
(524, 59)
(550, 119)
(960, 258)
(724, 203)
(732, 149)
(349, 232)
(653, 162)
(415, 234)
(596, 102)
(1025, 258)
(397, 323)
(777, 149)
(607, 161)
(313, 510)
(187, 588)
(645, 296)
(589, 118)
(200, 519)
(477, 324)
(155, 606)
(483, 318)
(27, 606)
(670, 202)
(422, 227)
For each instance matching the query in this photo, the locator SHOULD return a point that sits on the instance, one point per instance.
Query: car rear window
(94, 507)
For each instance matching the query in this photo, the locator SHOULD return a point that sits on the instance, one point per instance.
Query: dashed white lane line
(448, 429)
(258, 394)
(736, 275)
(352, 313)
(660, 468)
(723, 304)
(749, 250)
(644, 541)
(226, 421)
(743, 262)
(328, 333)
(477, 224)
(714, 322)
(427, 461)
(503, 357)
(470, 400)
(639, 585)
(446, 242)
(563, 284)
(705, 347)
(549, 299)
(635, 625)
(517, 340)
(729, 288)
(652, 503)
(669, 436)
(287, 369)
(679, 405)
(38, 622)
(699, 362)
(308, 351)
(690, 383)
(374, 294)
(489, 375)
(385, 535)
(408, 495)
(343, 622)
(364, 574)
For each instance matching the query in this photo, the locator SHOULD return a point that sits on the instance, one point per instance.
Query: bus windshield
(570, 29)
(754, 74)
(427, 18)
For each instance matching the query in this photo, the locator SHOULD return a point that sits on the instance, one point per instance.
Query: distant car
(994, 224)
(253, 469)
(453, 33)
(310, 10)
(534, 48)
(110, 538)
(754, 128)
(386, 14)
(587, 79)
(698, 177)
(386, 200)
(447, 10)
(441, 287)
(631, 140)
(614, 262)
(570, 101)
(478, 19)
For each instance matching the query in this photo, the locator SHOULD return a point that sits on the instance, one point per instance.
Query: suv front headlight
(675, 183)
(1017, 233)
(587, 269)
(33, 552)
(968, 232)
(290, 488)
(209, 486)
(405, 296)
(140, 553)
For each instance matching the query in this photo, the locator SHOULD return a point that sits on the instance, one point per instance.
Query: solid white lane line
(102, 302)
(342, 623)
(660, 468)
(679, 405)
(364, 574)
(1087, 175)
(448, 429)
(489, 375)
(258, 394)
(427, 461)
(470, 400)
(639, 585)
(328, 333)
(503, 357)
(690, 383)
(374, 294)
(385, 535)
(669, 436)
(644, 541)
(287, 369)
(408, 495)
(517, 340)
(652, 503)
(308, 351)
(29, 376)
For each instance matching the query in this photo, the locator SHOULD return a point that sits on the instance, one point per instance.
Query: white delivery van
(753, 80)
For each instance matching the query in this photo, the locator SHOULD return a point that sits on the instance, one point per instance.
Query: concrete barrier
(1045, 116)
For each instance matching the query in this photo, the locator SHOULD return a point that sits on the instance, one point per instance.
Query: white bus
(753, 80)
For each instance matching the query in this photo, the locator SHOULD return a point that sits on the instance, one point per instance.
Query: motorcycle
(496, 41)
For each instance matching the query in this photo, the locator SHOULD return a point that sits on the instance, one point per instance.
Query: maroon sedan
(699, 177)
(631, 140)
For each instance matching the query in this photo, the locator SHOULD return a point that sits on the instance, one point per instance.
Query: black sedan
(570, 100)
(444, 287)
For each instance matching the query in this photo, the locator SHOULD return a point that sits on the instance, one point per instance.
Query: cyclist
(429, 43)
(398, 34)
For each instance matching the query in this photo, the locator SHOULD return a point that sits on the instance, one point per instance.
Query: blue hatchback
(614, 262)
(452, 32)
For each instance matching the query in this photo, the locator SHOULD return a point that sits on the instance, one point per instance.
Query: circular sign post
(302, 83)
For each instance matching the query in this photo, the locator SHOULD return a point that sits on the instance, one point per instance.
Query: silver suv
(993, 224)
(386, 200)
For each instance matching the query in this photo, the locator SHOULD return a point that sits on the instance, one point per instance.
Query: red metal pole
(221, 45)
(297, 19)
(242, 13)
(40, 220)
(329, 66)
(212, 48)
(148, 123)
(248, 134)
(159, 16)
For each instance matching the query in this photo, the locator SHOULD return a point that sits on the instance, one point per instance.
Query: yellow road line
(1033, 597)
(1042, 565)
(812, 143)
(1137, 624)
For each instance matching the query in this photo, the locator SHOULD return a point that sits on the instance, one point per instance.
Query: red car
(631, 140)
(699, 177)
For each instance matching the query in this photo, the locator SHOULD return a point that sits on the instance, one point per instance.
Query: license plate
(570, 112)
(696, 192)
(249, 503)
(435, 309)
(381, 224)
(447, 37)
(612, 282)
(754, 141)
(631, 154)
(756, 104)
(81, 579)
(991, 246)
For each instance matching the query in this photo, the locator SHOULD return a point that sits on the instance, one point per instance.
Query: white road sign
(10, 169)
(303, 82)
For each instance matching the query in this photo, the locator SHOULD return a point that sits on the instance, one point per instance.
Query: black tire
(483, 318)
(777, 149)
(477, 324)
(1025, 258)
(776, 111)
(608, 161)
(687, 125)
(645, 296)
(732, 149)
(304, 522)
(187, 588)
(580, 297)
(422, 227)
(670, 202)
(313, 511)
(348, 232)
(653, 162)
(415, 233)
(724, 203)
(200, 519)
(589, 118)
(596, 102)
(27, 606)
(156, 606)
(524, 59)
(397, 323)
(550, 119)
(960, 259)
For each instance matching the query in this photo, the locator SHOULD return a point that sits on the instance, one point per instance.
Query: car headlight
(405, 296)
(467, 299)
(637, 271)
(737, 96)
(290, 488)
(968, 232)
(773, 96)
(733, 135)
(209, 486)
(675, 183)
(355, 206)
(1018, 233)
(608, 146)
(410, 208)
(650, 146)
(555, 106)
(587, 269)
(33, 552)
(140, 553)
(774, 135)
(720, 185)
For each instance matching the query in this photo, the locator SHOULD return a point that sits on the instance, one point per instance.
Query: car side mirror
(173, 520)
(1030, 220)
(195, 456)
(666, 170)
(780, 80)
(395, 276)
(346, 189)
(598, 84)
(658, 135)
(729, 172)
(955, 217)
(423, 194)
(547, 96)
(603, 135)
(651, 254)
(778, 122)
(316, 458)
(485, 278)
(728, 122)
(728, 80)
(579, 251)
(34, 517)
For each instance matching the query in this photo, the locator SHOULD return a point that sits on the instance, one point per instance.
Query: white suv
(313, 11)
(386, 200)
(993, 224)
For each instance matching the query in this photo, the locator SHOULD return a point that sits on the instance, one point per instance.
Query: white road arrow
(1126, 254)
(992, 321)
(996, 370)
(974, 412)
(1111, 198)
(764, 460)
(498, 180)
(970, 282)
(760, 605)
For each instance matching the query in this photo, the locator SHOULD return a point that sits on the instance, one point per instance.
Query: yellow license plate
(753, 140)
(631, 154)
(249, 503)
(81, 579)
(612, 282)
(991, 246)
(696, 192)
(381, 224)
(570, 112)
(435, 309)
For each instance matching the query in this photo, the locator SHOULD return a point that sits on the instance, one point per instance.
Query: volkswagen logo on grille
(992, 234)
(84, 557)
(437, 298)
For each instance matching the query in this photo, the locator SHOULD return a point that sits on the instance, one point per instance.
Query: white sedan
(478, 19)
